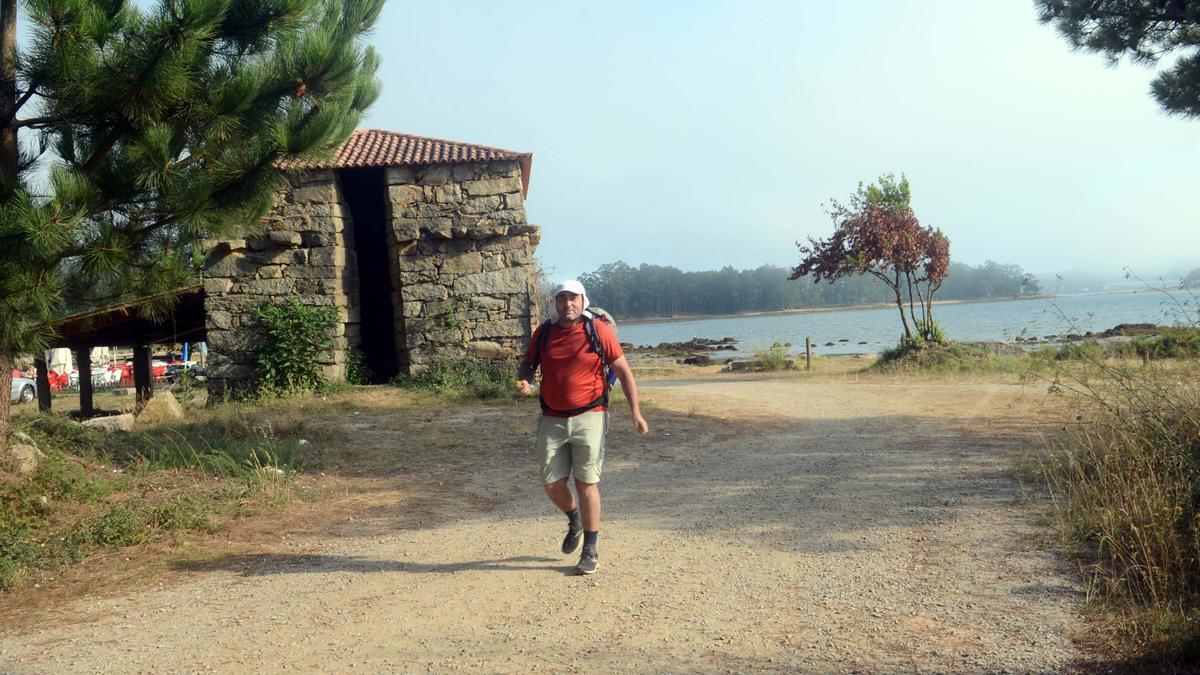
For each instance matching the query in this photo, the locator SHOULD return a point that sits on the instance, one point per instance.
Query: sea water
(868, 331)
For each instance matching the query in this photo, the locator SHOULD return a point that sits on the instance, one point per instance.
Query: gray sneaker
(588, 561)
(571, 541)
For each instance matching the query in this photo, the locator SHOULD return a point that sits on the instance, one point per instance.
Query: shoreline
(812, 310)
(849, 308)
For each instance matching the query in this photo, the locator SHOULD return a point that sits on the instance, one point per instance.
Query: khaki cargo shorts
(572, 446)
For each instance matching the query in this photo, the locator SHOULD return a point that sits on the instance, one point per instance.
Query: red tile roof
(379, 148)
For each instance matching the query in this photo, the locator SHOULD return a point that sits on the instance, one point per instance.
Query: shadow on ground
(265, 564)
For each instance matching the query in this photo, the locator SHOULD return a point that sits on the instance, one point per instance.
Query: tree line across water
(649, 291)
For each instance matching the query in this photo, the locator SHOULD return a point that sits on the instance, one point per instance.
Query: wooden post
(43, 384)
(83, 361)
(143, 376)
(808, 353)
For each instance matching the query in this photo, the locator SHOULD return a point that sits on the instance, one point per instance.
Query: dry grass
(1124, 481)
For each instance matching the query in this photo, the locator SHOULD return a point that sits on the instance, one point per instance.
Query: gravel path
(773, 525)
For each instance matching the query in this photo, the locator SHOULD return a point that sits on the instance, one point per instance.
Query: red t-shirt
(571, 373)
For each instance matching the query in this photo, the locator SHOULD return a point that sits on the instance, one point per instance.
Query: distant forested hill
(656, 291)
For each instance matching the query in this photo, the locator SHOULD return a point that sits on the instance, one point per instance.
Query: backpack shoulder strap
(542, 338)
(589, 329)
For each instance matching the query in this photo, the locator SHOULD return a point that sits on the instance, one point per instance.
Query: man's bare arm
(629, 386)
(525, 373)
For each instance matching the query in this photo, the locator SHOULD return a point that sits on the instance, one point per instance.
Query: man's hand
(625, 375)
(524, 388)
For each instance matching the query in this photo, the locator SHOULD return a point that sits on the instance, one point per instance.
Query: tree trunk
(928, 302)
(8, 97)
(8, 176)
(6, 368)
(900, 305)
(912, 312)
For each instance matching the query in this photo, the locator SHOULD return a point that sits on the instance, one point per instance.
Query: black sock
(589, 538)
(573, 518)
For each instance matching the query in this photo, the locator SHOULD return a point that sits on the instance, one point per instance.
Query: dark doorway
(366, 194)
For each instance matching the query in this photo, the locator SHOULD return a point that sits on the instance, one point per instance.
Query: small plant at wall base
(463, 377)
(357, 370)
(296, 340)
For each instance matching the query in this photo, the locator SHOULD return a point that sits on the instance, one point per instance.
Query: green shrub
(183, 512)
(930, 331)
(917, 353)
(1082, 351)
(953, 357)
(775, 358)
(1175, 343)
(121, 525)
(467, 377)
(357, 370)
(296, 339)
(185, 388)
(1171, 343)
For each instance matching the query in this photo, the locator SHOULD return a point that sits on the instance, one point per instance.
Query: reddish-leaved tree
(878, 234)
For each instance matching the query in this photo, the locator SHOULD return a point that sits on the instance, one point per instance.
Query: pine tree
(128, 137)
(1145, 30)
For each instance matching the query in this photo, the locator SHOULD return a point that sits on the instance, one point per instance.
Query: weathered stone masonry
(460, 256)
(464, 260)
(306, 252)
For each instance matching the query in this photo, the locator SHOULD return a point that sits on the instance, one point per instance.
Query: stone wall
(460, 254)
(305, 252)
(464, 275)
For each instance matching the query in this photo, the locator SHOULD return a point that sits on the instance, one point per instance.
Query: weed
(775, 358)
(357, 370)
(464, 377)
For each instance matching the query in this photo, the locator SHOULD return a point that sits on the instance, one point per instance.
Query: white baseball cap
(570, 286)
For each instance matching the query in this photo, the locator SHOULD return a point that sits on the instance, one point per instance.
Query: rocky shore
(700, 351)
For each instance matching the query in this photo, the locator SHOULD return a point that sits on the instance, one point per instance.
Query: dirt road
(773, 525)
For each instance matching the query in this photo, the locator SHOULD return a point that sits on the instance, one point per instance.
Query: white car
(24, 390)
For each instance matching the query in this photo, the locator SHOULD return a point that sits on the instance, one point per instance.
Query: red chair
(58, 382)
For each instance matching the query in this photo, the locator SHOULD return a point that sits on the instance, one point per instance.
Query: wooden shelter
(121, 326)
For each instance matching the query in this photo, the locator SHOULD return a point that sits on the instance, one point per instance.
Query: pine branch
(104, 148)
(12, 114)
(38, 122)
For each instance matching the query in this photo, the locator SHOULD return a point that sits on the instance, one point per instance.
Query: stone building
(421, 244)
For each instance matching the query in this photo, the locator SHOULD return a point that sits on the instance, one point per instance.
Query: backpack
(590, 316)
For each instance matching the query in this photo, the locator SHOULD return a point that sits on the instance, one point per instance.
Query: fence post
(808, 353)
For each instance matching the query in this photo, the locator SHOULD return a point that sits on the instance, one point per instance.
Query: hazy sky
(704, 134)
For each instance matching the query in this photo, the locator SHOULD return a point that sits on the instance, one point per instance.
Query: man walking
(573, 351)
